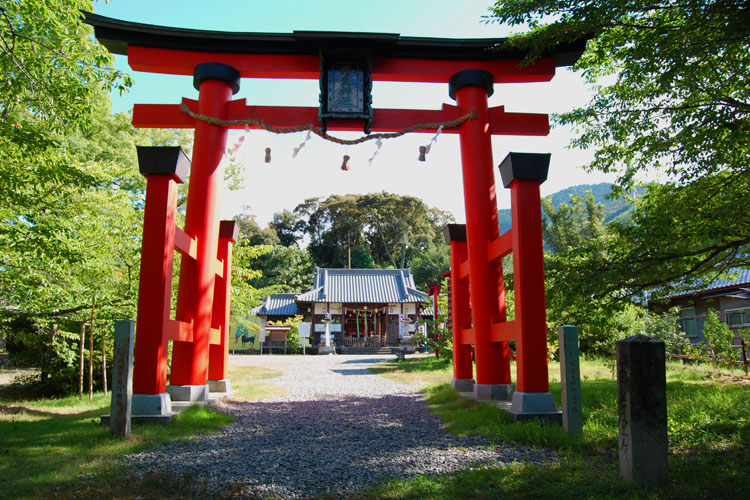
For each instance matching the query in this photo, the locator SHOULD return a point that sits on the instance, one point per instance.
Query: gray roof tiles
(735, 277)
(348, 286)
(363, 285)
(278, 304)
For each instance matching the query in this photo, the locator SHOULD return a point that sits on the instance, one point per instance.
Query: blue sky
(315, 172)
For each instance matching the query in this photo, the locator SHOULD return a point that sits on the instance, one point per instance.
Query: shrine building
(366, 307)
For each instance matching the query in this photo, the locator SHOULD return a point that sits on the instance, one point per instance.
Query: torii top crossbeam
(297, 54)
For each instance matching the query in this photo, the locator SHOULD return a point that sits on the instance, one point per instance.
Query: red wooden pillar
(523, 173)
(164, 168)
(218, 353)
(463, 369)
(216, 83)
(471, 88)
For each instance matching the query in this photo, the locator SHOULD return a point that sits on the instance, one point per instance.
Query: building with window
(729, 297)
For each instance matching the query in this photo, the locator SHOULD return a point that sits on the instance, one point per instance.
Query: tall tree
(392, 227)
(671, 97)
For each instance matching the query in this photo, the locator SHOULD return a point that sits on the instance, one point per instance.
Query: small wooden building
(729, 297)
(367, 307)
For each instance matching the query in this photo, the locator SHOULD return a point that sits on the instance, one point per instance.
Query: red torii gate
(217, 62)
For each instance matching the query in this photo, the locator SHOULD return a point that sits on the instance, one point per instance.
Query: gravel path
(339, 429)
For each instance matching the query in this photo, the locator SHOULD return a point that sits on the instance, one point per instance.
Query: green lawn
(709, 433)
(56, 448)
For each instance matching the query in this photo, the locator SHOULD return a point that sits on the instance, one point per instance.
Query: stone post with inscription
(570, 377)
(122, 379)
(642, 410)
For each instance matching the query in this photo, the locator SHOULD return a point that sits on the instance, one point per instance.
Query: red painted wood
(179, 330)
(182, 62)
(463, 367)
(184, 244)
(501, 246)
(528, 270)
(485, 283)
(196, 288)
(384, 120)
(218, 353)
(504, 331)
(155, 285)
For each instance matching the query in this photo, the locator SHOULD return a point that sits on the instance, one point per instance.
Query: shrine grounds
(57, 449)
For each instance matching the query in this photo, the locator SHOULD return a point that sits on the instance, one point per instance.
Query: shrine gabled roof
(363, 286)
(278, 304)
(116, 35)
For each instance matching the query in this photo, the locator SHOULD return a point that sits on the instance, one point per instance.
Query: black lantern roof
(116, 35)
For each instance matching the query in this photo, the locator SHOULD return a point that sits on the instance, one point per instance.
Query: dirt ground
(8, 374)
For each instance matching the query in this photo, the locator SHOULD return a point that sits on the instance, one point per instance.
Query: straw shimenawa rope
(319, 132)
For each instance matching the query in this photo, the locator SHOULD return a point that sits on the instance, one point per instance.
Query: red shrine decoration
(217, 61)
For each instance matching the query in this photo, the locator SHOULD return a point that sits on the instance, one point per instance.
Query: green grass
(246, 386)
(422, 371)
(709, 433)
(56, 448)
(57, 445)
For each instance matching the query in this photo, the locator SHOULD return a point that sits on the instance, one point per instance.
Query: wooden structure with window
(729, 297)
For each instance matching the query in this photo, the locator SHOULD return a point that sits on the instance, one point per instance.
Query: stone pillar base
(463, 384)
(190, 393)
(221, 385)
(324, 349)
(535, 405)
(497, 392)
(152, 404)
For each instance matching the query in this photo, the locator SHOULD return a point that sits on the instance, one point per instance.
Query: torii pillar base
(495, 392)
(535, 405)
(222, 385)
(188, 393)
(152, 408)
(463, 384)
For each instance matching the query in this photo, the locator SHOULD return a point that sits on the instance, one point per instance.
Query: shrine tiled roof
(363, 286)
(732, 278)
(278, 304)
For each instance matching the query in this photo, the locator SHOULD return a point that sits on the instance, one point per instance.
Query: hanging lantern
(422, 153)
(345, 86)
(267, 159)
(345, 163)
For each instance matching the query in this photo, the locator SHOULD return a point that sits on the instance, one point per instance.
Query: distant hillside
(613, 209)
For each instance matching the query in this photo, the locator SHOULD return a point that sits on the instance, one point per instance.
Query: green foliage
(666, 327)
(718, 338)
(671, 99)
(391, 228)
(287, 269)
(575, 233)
(250, 230)
(428, 266)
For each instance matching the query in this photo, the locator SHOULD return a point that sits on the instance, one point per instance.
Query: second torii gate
(346, 64)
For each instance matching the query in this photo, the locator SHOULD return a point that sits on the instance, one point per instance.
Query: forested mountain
(613, 209)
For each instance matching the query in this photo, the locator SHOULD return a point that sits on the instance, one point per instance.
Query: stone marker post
(570, 376)
(642, 409)
(122, 379)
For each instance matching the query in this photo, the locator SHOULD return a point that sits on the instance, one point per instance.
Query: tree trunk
(81, 359)
(91, 351)
(47, 353)
(104, 363)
